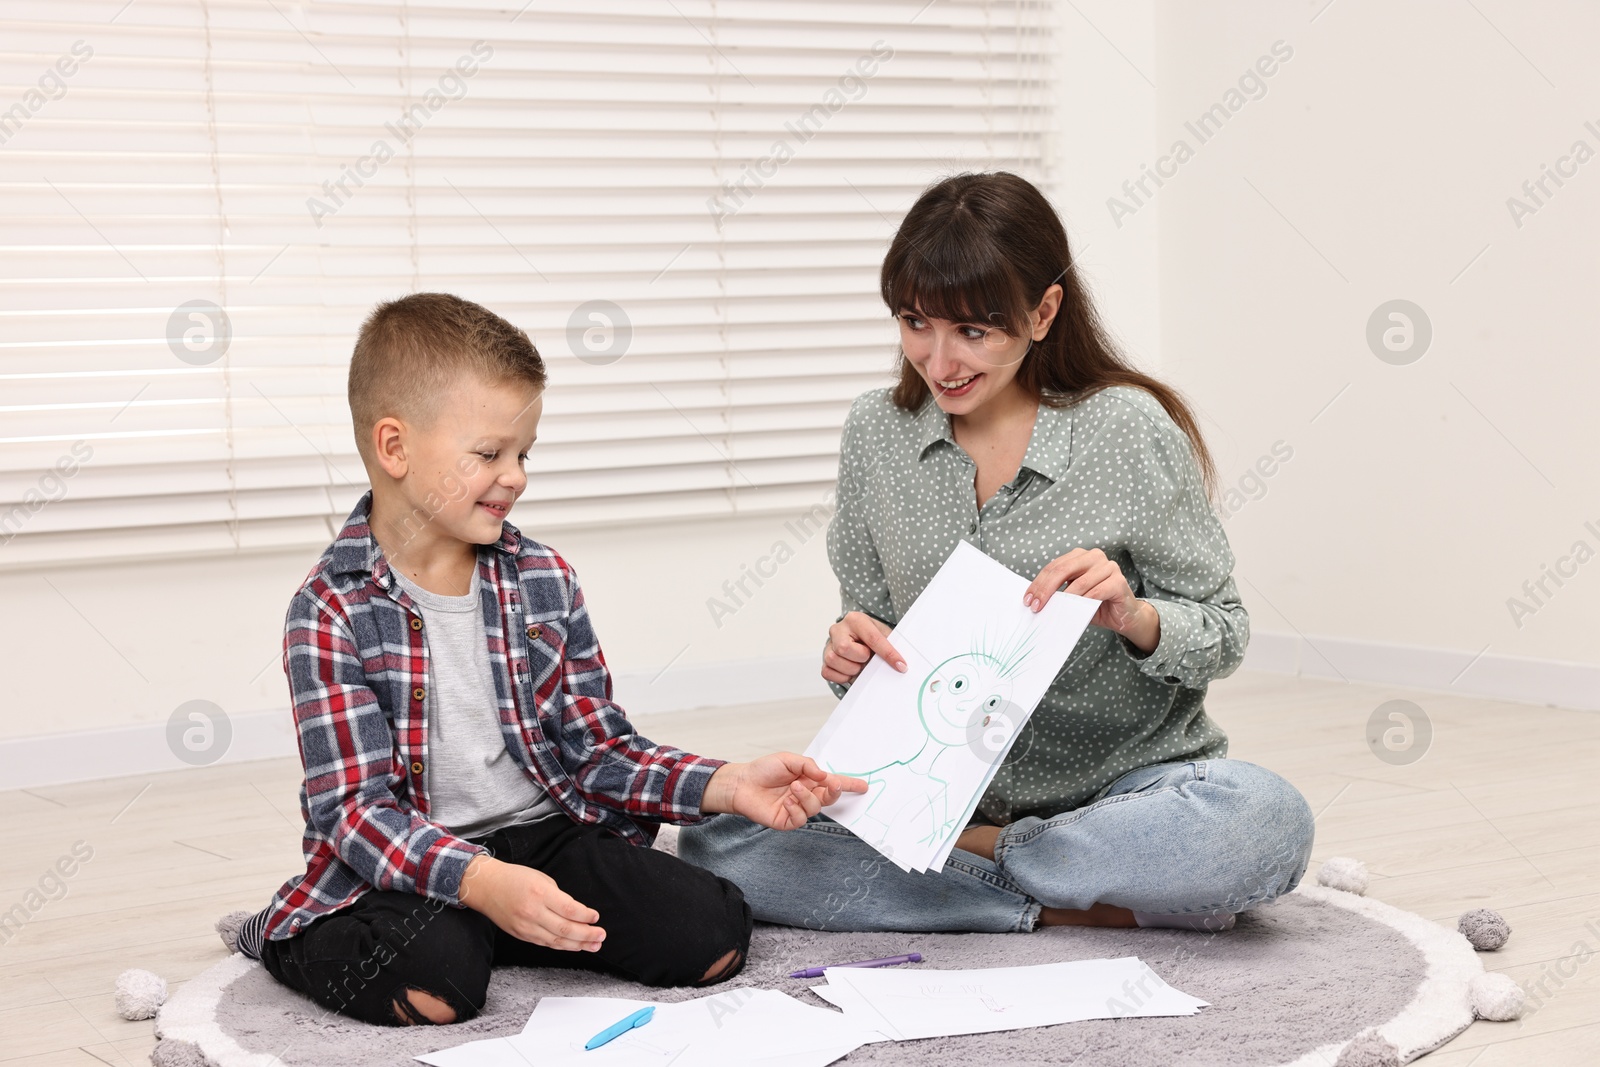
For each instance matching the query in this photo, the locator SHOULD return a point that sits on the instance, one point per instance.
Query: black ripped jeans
(667, 922)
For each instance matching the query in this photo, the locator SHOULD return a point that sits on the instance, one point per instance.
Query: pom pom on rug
(140, 993)
(228, 928)
(1342, 872)
(1486, 928)
(1368, 1049)
(1497, 997)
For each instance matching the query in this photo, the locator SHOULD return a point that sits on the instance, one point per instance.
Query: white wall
(1383, 151)
(100, 658)
(1106, 127)
(1378, 166)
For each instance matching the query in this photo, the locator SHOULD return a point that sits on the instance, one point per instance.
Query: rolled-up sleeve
(1181, 557)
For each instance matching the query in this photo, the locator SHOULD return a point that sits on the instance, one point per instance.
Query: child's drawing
(964, 703)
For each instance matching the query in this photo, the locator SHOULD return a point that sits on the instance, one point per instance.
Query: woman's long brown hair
(983, 249)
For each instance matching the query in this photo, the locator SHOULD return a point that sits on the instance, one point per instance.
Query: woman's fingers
(869, 632)
(852, 642)
(1094, 577)
(1075, 568)
(1055, 573)
(851, 649)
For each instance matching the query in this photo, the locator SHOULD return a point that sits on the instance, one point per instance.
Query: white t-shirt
(474, 786)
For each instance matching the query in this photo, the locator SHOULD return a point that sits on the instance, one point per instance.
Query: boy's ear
(389, 447)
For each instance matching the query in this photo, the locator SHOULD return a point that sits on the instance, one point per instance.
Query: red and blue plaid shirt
(357, 661)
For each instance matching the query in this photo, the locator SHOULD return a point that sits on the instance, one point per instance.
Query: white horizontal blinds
(726, 174)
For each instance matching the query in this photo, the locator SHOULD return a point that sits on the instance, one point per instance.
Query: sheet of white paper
(929, 741)
(771, 1028)
(933, 1003)
(856, 1010)
(555, 1034)
(727, 1029)
(489, 1052)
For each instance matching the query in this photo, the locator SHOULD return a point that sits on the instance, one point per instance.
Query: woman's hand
(852, 641)
(782, 790)
(1087, 572)
(528, 905)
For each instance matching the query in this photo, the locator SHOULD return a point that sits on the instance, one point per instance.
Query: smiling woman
(986, 254)
(1018, 427)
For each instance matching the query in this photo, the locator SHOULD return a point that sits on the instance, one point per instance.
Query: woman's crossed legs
(1191, 837)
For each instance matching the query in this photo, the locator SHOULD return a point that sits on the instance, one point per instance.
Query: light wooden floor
(1500, 812)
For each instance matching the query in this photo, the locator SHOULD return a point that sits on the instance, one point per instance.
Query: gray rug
(1290, 982)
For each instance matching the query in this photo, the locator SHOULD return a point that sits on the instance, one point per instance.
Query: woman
(1017, 426)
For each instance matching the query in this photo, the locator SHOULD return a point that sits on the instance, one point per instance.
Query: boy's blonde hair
(410, 350)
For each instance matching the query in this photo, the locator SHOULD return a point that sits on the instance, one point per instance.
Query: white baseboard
(719, 685)
(1552, 683)
(54, 759)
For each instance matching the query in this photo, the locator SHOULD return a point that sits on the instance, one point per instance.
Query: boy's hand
(782, 790)
(528, 905)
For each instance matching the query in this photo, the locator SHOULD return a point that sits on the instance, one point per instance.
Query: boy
(472, 796)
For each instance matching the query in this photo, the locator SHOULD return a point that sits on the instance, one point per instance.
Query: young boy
(472, 796)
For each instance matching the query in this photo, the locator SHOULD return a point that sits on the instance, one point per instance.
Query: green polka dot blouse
(1111, 471)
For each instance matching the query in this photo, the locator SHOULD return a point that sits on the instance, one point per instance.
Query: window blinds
(684, 202)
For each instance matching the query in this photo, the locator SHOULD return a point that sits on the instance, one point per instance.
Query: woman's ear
(1045, 313)
(389, 447)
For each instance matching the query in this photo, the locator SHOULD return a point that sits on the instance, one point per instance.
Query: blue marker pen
(617, 1029)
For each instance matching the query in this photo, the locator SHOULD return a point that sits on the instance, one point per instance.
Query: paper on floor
(929, 741)
(906, 1004)
(738, 1026)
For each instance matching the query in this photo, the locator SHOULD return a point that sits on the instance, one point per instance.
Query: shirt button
(416, 624)
(294, 924)
(418, 693)
(534, 631)
(416, 768)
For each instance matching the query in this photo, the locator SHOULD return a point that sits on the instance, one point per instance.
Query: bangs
(953, 272)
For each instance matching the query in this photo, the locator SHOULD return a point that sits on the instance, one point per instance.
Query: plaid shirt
(357, 662)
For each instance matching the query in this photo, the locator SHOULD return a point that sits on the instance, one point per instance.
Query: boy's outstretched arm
(613, 766)
(781, 790)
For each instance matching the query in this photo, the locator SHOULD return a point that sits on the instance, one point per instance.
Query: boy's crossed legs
(400, 959)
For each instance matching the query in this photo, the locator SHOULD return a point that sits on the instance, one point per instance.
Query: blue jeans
(1200, 836)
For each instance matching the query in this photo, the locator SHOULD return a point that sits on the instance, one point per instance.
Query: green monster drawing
(964, 703)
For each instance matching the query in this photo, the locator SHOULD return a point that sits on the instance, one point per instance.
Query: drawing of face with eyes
(960, 694)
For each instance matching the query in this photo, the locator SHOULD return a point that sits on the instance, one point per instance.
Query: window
(685, 203)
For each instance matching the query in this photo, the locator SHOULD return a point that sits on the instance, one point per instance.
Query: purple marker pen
(887, 961)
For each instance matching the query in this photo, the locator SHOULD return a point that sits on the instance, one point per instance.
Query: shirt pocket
(543, 644)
